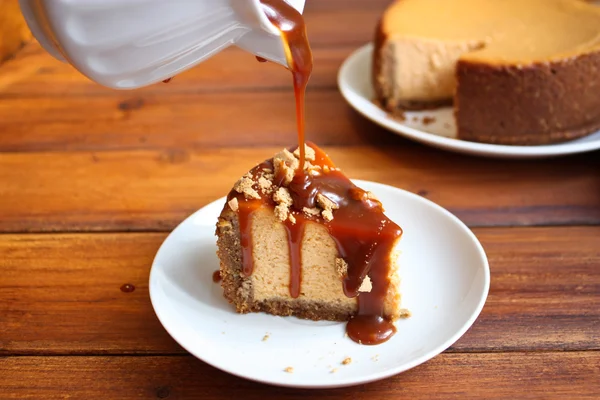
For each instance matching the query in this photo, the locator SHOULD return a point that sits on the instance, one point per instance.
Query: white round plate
(354, 81)
(445, 281)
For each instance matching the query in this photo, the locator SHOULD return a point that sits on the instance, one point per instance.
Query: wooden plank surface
(155, 190)
(230, 100)
(76, 157)
(572, 375)
(34, 73)
(128, 120)
(60, 294)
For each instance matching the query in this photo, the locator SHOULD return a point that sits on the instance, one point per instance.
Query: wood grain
(155, 190)
(34, 73)
(128, 120)
(60, 294)
(477, 376)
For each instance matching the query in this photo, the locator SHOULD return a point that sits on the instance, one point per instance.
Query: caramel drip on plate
(363, 234)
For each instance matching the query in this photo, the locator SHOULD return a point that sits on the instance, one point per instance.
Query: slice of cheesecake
(309, 243)
(518, 71)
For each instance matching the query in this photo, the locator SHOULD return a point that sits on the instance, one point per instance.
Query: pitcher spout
(263, 39)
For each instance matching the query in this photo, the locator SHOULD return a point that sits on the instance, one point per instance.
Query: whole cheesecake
(309, 243)
(517, 71)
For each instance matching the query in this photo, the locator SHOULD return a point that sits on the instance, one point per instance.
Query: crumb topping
(233, 204)
(341, 266)
(274, 183)
(366, 286)
(428, 120)
(371, 196)
(289, 370)
(327, 205)
(309, 153)
(245, 186)
(285, 165)
(347, 361)
(281, 212)
(311, 211)
(265, 184)
(282, 195)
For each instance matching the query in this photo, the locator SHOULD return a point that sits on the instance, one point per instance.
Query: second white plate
(445, 281)
(354, 80)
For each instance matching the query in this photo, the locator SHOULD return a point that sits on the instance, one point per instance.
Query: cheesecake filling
(319, 192)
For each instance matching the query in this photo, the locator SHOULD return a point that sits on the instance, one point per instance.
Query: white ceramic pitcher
(125, 44)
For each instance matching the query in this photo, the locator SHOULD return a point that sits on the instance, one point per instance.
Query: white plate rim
(350, 381)
(372, 112)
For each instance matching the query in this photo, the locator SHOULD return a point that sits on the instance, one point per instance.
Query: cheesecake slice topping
(355, 219)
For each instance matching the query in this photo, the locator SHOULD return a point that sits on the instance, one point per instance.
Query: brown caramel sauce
(363, 234)
(298, 54)
(216, 276)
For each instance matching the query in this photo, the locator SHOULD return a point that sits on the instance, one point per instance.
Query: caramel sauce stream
(363, 234)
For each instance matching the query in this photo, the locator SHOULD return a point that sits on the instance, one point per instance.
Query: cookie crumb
(283, 196)
(285, 164)
(289, 370)
(341, 267)
(314, 212)
(399, 115)
(375, 357)
(371, 196)
(428, 120)
(244, 186)
(292, 218)
(266, 337)
(327, 215)
(325, 203)
(233, 204)
(265, 184)
(366, 286)
(347, 361)
(405, 313)
(309, 153)
(281, 212)
(333, 371)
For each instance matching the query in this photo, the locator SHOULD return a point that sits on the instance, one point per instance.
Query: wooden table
(92, 181)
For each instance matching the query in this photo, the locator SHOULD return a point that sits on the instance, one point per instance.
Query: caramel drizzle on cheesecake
(363, 234)
(355, 220)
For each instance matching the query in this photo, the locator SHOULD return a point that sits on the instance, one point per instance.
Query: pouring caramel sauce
(363, 234)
